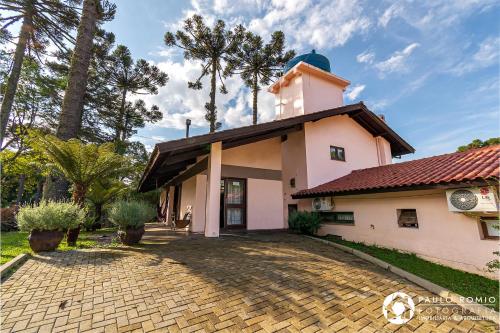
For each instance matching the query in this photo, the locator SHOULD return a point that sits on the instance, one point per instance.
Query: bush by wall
(304, 222)
(50, 216)
(130, 214)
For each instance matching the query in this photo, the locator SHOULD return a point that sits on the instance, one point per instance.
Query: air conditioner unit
(475, 199)
(322, 204)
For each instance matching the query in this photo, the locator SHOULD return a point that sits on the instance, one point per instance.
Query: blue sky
(431, 67)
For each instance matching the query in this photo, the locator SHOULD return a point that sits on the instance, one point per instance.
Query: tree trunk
(79, 193)
(72, 108)
(255, 91)
(119, 126)
(212, 116)
(38, 194)
(11, 87)
(20, 189)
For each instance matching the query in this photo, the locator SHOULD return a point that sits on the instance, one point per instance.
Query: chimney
(188, 123)
(381, 116)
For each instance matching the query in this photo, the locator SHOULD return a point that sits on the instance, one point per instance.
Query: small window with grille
(407, 218)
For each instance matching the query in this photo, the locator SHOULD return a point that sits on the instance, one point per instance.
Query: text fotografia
(438, 308)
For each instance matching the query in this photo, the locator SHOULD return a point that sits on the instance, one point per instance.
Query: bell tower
(307, 86)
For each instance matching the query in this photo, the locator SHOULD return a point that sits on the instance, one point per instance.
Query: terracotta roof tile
(472, 165)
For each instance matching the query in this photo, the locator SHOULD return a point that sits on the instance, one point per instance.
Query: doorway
(233, 203)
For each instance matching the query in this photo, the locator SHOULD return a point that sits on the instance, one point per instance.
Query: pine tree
(128, 77)
(212, 46)
(43, 22)
(258, 64)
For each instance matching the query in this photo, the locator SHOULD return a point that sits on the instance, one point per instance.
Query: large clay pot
(131, 236)
(45, 240)
(72, 236)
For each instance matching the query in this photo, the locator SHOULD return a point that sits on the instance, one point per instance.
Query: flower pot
(131, 236)
(72, 236)
(45, 240)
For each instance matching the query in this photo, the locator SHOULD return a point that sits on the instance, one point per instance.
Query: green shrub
(50, 215)
(304, 222)
(130, 214)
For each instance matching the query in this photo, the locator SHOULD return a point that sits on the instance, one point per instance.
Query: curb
(476, 308)
(18, 260)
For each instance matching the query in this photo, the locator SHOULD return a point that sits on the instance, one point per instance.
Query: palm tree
(81, 164)
(212, 46)
(139, 77)
(102, 192)
(258, 64)
(43, 21)
(72, 106)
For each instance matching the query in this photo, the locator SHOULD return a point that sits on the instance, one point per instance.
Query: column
(213, 190)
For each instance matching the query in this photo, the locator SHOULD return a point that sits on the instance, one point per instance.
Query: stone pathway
(180, 283)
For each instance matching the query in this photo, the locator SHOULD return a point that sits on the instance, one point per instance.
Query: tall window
(337, 153)
(407, 218)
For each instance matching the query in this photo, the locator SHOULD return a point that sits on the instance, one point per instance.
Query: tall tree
(43, 22)
(72, 107)
(258, 64)
(212, 46)
(128, 77)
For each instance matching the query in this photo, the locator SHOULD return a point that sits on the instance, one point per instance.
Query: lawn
(462, 283)
(14, 243)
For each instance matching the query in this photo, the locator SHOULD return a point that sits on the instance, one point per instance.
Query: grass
(462, 283)
(15, 243)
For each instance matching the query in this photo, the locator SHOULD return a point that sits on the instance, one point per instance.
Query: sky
(430, 67)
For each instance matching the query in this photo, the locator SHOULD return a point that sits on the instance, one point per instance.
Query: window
(337, 153)
(489, 225)
(292, 182)
(337, 217)
(407, 218)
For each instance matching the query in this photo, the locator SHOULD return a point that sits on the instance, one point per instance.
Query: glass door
(235, 203)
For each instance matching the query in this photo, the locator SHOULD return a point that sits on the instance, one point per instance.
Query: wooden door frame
(244, 205)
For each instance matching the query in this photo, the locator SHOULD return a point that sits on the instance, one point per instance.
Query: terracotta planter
(131, 236)
(72, 236)
(45, 240)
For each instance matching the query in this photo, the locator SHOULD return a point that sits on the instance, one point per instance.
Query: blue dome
(313, 58)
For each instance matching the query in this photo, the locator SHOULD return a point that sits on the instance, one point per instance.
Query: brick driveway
(175, 283)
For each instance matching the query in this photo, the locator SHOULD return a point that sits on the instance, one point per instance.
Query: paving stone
(186, 283)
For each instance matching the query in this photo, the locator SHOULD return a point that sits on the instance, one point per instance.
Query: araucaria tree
(93, 11)
(258, 64)
(212, 46)
(42, 22)
(128, 77)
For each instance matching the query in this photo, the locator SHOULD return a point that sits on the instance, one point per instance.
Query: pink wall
(360, 148)
(319, 94)
(264, 204)
(264, 154)
(289, 99)
(449, 238)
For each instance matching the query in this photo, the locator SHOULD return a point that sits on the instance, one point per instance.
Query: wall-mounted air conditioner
(474, 199)
(322, 204)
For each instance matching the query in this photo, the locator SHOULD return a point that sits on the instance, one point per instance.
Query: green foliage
(304, 222)
(130, 214)
(212, 46)
(50, 215)
(463, 283)
(82, 164)
(477, 143)
(258, 64)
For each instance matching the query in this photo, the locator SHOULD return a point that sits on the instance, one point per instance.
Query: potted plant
(130, 217)
(47, 223)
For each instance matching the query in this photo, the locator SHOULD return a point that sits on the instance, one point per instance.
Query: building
(252, 177)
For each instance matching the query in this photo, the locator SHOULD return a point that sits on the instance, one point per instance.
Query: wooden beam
(190, 172)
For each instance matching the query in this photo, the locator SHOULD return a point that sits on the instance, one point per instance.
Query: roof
(303, 67)
(173, 157)
(475, 167)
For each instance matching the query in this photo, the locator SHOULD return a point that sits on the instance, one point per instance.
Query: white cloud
(366, 57)
(391, 12)
(397, 61)
(355, 91)
(487, 55)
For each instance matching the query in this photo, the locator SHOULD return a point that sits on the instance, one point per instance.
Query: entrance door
(235, 203)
